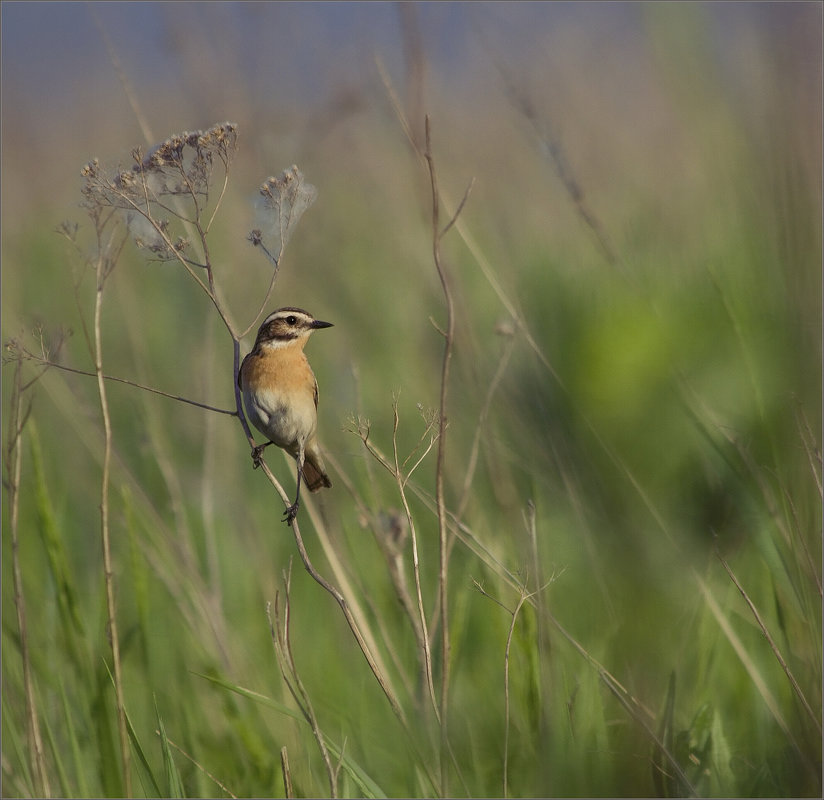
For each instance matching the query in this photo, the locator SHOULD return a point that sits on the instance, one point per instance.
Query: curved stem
(103, 267)
(448, 334)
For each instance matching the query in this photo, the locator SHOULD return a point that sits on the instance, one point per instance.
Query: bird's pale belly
(280, 423)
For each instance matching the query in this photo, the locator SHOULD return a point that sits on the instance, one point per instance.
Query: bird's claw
(290, 514)
(257, 452)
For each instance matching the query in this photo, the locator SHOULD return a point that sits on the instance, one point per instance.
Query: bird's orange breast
(285, 371)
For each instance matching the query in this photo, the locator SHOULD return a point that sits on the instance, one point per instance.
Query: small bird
(280, 394)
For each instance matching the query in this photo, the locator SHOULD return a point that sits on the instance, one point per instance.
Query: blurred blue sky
(53, 53)
(194, 63)
(47, 45)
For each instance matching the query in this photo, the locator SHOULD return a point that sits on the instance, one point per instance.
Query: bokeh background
(637, 282)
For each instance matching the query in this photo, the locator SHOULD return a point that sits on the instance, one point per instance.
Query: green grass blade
(367, 785)
(77, 756)
(173, 779)
(66, 789)
(19, 747)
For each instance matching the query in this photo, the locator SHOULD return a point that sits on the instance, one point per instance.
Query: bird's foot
(257, 452)
(290, 513)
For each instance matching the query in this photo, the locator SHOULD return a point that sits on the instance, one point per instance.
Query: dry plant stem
(275, 260)
(523, 598)
(439, 498)
(449, 337)
(144, 205)
(469, 241)
(395, 565)
(355, 627)
(189, 590)
(209, 287)
(106, 258)
(341, 601)
(419, 626)
(44, 362)
(242, 416)
(14, 463)
(459, 529)
(520, 322)
(518, 607)
(200, 767)
(347, 613)
(634, 707)
(144, 209)
(415, 611)
(776, 652)
(287, 773)
(281, 638)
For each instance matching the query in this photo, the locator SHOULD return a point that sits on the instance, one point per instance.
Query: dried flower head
(178, 169)
(283, 201)
(90, 170)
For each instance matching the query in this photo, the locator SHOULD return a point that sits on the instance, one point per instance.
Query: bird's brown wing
(242, 365)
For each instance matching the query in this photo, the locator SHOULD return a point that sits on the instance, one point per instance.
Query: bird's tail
(314, 473)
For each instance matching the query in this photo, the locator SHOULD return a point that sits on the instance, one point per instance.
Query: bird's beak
(316, 323)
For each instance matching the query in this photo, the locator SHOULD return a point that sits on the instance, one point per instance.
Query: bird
(280, 394)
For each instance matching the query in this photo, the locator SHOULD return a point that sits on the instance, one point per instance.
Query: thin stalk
(104, 263)
(768, 636)
(287, 772)
(507, 713)
(443, 586)
(420, 627)
(14, 463)
(443, 535)
(44, 362)
(340, 599)
(281, 638)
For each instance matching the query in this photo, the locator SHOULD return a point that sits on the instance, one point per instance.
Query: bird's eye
(292, 320)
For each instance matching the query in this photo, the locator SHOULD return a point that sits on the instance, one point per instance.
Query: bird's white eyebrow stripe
(289, 311)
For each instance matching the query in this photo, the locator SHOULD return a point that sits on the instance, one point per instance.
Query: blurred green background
(637, 281)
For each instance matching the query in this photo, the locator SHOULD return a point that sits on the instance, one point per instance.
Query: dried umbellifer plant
(168, 201)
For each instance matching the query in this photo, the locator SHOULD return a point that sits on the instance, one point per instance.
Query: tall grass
(572, 418)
